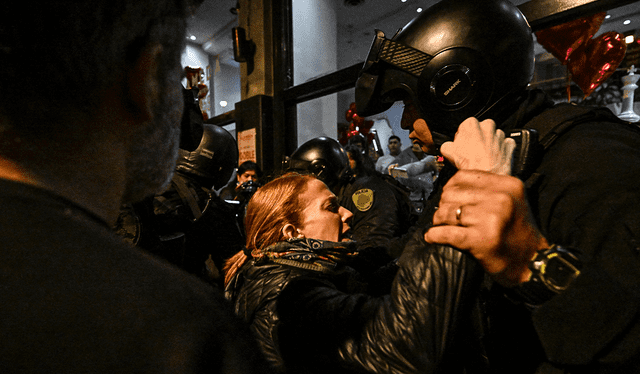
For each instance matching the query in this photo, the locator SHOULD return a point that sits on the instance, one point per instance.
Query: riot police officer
(188, 224)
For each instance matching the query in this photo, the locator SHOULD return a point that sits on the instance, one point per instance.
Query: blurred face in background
(249, 175)
(394, 146)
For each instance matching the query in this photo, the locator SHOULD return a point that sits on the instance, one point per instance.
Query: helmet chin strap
(504, 107)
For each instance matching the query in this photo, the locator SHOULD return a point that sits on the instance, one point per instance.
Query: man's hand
(391, 167)
(479, 146)
(482, 209)
(487, 214)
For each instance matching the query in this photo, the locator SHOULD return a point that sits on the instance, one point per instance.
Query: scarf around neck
(310, 254)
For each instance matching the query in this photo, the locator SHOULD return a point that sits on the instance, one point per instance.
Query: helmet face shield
(390, 73)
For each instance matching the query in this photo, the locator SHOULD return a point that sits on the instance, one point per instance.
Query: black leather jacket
(320, 321)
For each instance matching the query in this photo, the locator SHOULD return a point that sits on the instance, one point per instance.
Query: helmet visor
(389, 72)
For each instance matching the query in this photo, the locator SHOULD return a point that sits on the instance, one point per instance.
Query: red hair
(272, 206)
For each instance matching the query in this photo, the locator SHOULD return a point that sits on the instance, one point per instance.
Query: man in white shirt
(395, 145)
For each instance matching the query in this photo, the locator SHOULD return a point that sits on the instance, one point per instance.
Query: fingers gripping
(479, 146)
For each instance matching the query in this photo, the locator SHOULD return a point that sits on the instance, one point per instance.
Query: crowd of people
(133, 241)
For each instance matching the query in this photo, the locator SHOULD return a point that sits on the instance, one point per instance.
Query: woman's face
(323, 218)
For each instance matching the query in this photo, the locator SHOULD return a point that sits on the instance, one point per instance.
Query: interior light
(223, 103)
(193, 37)
(404, 1)
(626, 22)
(629, 39)
(607, 16)
(419, 10)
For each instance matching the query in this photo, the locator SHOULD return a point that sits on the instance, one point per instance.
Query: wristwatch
(552, 271)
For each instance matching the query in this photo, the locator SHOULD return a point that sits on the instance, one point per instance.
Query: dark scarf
(310, 254)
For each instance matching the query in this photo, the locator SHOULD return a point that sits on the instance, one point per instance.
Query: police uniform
(381, 210)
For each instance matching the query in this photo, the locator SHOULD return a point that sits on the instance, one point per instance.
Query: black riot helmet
(457, 59)
(324, 158)
(213, 162)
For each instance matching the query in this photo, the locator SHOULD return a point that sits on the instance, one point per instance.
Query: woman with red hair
(312, 313)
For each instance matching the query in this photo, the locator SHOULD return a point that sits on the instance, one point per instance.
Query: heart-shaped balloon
(350, 112)
(596, 61)
(349, 115)
(562, 40)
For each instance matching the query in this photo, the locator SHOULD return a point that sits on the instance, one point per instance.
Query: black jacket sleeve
(589, 198)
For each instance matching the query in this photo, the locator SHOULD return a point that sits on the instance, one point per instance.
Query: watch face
(558, 272)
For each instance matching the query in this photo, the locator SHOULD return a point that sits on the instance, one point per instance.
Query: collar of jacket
(535, 103)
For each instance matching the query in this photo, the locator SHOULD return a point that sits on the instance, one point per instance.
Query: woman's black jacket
(310, 321)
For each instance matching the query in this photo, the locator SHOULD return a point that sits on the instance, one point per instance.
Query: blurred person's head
(417, 150)
(212, 163)
(248, 171)
(323, 157)
(111, 73)
(357, 162)
(395, 145)
(358, 140)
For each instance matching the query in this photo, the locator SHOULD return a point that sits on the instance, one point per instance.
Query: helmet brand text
(452, 87)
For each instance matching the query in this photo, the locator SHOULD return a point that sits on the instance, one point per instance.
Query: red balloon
(350, 112)
(349, 115)
(594, 62)
(562, 40)
(358, 121)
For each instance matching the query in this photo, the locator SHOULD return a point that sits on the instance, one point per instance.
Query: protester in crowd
(409, 155)
(239, 192)
(199, 230)
(417, 171)
(395, 145)
(311, 312)
(369, 156)
(246, 183)
(559, 237)
(99, 127)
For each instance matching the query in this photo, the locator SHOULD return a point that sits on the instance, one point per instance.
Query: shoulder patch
(363, 199)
